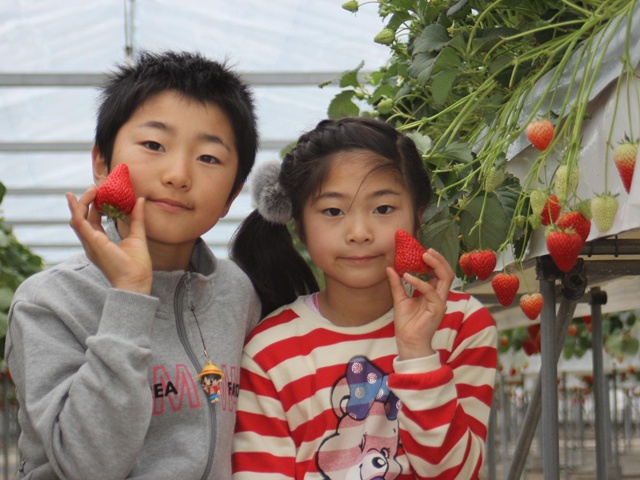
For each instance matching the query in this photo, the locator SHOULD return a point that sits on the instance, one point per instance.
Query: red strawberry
(577, 221)
(408, 256)
(531, 304)
(482, 263)
(564, 247)
(625, 158)
(505, 286)
(529, 347)
(550, 211)
(540, 133)
(115, 197)
(465, 264)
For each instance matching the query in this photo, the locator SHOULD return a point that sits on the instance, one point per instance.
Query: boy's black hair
(191, 75)
(266, 250)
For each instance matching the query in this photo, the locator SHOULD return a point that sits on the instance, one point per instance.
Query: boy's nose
(176, 175)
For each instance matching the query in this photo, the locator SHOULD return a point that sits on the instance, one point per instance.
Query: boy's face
(182, 159)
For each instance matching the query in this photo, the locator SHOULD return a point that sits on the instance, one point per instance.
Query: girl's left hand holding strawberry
(127, 265)
(417, 318)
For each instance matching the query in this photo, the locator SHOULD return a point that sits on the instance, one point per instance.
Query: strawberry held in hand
(408, 256)
(115, 197)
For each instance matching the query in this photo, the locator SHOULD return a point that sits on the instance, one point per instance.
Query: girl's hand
(417, 318)
(127, 265)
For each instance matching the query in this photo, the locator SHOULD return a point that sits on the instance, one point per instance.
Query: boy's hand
(417, 318)
(127, 265)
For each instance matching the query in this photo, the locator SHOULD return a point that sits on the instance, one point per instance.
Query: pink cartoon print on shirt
(365, 443)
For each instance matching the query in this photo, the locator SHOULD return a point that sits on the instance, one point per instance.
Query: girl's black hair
(266, 251)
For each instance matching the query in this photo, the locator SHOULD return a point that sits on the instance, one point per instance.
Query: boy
(105, 349)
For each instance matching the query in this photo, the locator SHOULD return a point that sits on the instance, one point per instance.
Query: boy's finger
(136, 227)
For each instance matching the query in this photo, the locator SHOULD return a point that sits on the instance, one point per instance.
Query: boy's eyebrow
(155, 124)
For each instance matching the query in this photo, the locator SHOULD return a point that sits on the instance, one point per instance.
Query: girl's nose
(358, 231)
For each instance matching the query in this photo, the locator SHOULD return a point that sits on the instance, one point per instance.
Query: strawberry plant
(477, 82)
(16, 264)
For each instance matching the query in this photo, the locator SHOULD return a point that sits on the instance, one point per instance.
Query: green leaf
(342, 105)
(630, 346)
(443, 237)
(421, 67)
(6, 294)
(433, 37)
(492, 231)
(349, 78)
(423, 142)
(441, 85)
(459, 151)
(3, 190)
(4, 325)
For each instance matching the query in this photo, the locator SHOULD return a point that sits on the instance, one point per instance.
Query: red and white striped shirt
(319, 401)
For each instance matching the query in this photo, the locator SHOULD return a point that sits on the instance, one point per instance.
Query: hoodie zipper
(182, 291)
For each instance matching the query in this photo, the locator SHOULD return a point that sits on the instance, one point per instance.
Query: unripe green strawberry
(625, 158)
(351, 6)
(537, 199)
(540, 133)
(535, 221)
(115, 197)
(603, 209)
(566, 181)
(494, 178)
(386, 36)
(385, 105)
(520, 220)
(584, 207)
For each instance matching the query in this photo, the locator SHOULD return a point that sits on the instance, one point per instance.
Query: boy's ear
(231, 200)
(100, 169)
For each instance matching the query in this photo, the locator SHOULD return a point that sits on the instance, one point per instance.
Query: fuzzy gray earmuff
(270, 199)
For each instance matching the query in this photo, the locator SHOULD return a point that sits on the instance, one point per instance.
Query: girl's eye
(156, 147)
(208, 159)
(384, 209)
(332, 212)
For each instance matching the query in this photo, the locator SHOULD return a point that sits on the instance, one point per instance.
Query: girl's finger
(397, 289)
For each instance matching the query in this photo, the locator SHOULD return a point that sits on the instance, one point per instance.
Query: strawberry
(386, 36)
(550, 211)
(482, 263)
(505, 286)
(408, 256)
(566, 181)
(538, 199)
(465, 264)
(494, 178)
(529, 347)
(577, 221)
(540, 133)
(351, 6)
(115, 197)
(625, 158)
(564, 247)
(531, 304)
(603, 210)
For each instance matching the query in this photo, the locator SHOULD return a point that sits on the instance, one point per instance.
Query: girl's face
(350, 226)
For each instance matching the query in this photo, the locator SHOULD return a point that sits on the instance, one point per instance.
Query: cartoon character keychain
(210, 377)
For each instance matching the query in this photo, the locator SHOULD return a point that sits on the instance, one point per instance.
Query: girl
(357, 379)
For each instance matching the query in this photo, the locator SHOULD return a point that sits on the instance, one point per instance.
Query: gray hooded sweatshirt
(107, 380)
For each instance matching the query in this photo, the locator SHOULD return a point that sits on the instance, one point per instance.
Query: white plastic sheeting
(76, 36)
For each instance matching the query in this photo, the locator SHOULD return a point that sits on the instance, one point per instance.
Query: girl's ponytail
(263, 246)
